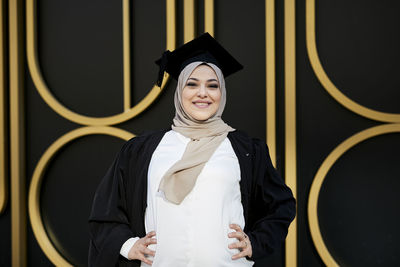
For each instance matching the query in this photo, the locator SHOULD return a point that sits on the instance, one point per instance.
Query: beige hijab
(205, 136)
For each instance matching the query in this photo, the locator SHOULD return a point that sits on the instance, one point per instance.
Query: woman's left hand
(243, 244)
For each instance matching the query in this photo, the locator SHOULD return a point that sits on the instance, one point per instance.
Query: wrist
(126, 248)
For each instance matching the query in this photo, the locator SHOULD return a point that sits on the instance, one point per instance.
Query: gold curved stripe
(3, 149)
(209, 16)
(34, 190)
(327, 83)
(321, 175)
(290, 122)
(41, 86)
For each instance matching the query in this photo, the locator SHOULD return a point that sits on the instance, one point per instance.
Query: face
(201, 95)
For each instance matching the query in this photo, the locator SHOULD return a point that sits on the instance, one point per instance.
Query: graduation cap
(203, 48)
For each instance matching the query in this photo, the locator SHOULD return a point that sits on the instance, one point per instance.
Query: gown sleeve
(109, 226)
(272, 205)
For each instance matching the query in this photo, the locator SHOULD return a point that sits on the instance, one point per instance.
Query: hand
(139, 250)
(243, 245)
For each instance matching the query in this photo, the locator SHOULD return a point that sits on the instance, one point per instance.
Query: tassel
(163, 66)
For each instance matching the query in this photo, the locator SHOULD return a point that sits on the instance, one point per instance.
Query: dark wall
(81, 58)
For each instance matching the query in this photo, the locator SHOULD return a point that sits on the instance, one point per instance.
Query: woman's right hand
(140, 249)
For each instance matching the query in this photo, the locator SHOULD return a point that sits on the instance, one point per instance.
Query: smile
(202, 104)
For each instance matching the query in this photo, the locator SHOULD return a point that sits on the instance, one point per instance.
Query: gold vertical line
(188, 20)
(209, 16)
(170, 7)
(171, 24)
(17, 174)
(3, 149)
(127, 53)
(290, 122)
(270, 78)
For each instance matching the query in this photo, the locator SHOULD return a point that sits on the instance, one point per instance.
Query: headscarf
(205, 137)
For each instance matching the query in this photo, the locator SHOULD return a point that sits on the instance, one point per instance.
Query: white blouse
(194, 233)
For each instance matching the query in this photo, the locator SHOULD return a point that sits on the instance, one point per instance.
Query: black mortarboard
(204, 48)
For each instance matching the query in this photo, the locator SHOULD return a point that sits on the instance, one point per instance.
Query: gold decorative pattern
(97, 125)
(290, 122)
(320, 177)
(17, 138)
(45, 93)
(344, 146)
(270, 78)
(327, 83)
(3, 149)
(34, 190)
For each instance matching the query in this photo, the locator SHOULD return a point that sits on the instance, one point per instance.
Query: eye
(213, 85)
(191, 84)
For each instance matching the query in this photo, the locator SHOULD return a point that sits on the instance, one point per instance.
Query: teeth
(202, 104)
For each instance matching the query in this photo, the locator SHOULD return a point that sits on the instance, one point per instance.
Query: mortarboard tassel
(163, 65)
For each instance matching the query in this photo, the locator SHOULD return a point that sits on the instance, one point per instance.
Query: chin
(202, 117)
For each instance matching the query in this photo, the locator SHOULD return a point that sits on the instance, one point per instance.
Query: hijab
(205, 137)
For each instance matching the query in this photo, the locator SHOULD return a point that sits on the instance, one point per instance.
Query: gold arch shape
(44, 91)
(327, 83)
(37, 178)
(320, 177)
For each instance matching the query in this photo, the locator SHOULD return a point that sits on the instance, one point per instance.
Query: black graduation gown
(120, 200)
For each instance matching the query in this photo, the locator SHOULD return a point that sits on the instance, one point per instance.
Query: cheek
(216, 96)
(186, 98)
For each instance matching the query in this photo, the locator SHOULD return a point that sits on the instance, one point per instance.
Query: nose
(202, 92)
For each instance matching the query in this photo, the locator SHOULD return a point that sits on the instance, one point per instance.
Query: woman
(199, 194)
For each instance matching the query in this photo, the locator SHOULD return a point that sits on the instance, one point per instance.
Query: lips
(202, 104)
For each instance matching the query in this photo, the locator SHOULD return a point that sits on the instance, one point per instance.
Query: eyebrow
(210, 80)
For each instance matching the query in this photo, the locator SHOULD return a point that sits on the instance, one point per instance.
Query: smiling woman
(199, 194)
(201, 95)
